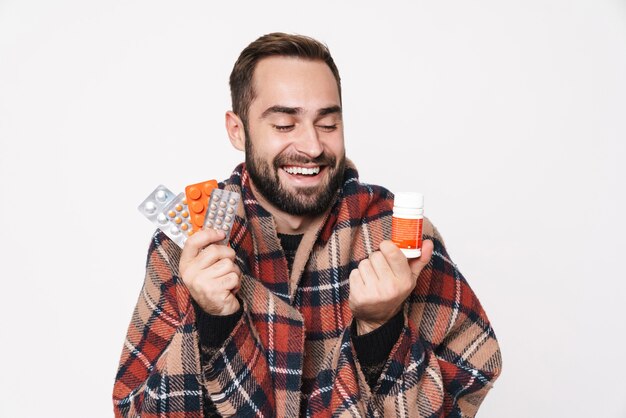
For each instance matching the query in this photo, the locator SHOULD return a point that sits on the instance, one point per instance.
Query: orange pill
(179, 207)
(193, 193)
(178, 220)
(184, 214)
(197, 207)
(184, 227)
(198, 195)
(171, 213)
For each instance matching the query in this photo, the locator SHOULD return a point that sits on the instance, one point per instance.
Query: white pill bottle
(406, 223)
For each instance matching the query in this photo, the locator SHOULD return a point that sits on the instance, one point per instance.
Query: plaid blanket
(291, 354)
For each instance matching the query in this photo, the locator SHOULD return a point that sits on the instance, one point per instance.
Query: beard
(313, 200)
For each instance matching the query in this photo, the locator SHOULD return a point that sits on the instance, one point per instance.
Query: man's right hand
(210, 273)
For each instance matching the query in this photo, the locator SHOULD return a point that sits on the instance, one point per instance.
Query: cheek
(272, 143)
(336, 146)
(266, 147)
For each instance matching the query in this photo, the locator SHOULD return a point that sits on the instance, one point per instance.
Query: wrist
(365, 327)
(232, 306)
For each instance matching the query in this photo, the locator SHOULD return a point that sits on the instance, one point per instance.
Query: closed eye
(283, 128)
(327, 128)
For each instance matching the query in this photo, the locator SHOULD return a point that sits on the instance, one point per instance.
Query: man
(311, 310)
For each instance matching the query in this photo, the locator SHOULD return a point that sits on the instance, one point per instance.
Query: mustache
(295, 159)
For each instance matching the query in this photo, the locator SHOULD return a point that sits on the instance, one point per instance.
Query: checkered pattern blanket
(291, 352)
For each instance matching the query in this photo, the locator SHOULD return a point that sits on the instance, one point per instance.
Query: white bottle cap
(412, 252)
(408, 200)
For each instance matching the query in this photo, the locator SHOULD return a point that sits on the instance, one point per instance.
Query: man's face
(294, 137)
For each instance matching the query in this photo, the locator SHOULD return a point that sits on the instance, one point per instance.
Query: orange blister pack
(198, 200)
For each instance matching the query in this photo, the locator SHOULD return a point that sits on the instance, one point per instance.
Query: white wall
(509, 115)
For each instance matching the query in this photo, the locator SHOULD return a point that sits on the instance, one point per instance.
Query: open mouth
(302, 171)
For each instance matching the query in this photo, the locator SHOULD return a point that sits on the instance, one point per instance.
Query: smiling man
(310, 310)
(293, 135)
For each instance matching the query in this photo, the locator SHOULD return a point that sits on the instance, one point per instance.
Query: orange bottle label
(406, 233)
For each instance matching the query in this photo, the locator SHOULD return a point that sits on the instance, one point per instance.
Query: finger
(214, 253)
(356, 281)
(381, 266)
(217, 294)
(236, 289)
(199, 241)
(367, 272)
(395, 258)
(418, 264)
(356, 288)
(210, 280)
(231, 282)
(222, 268)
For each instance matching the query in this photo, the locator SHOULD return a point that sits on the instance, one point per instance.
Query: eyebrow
(298, 110)
(329, 111)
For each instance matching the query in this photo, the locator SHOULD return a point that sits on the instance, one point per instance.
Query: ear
(236, 133)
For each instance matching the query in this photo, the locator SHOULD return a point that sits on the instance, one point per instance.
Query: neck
(285, 222)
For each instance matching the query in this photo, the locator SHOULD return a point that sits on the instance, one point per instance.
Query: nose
(309, 143)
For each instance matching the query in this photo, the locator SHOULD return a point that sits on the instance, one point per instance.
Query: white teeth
(309, 171)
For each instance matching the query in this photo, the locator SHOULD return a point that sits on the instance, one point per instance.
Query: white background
(510, 116)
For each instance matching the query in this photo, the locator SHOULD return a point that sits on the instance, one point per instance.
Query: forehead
(294, 82)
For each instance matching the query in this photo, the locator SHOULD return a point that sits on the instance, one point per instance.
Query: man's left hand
(382, 282)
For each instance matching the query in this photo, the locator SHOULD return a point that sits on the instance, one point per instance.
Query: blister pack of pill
(222, 210)
(198, 196)
(178, 223)
(154, 204)
(202, 205)
(158, 207)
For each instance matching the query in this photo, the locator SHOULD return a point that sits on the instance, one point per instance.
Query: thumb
(418, 264)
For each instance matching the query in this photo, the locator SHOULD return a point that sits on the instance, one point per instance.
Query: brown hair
(273, 44)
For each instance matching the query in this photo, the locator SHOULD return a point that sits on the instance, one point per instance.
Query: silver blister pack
(221, 211)
(178, 226)
(161, 203)
(154, 204)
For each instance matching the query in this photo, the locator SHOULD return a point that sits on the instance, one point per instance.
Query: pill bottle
(406, 223)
